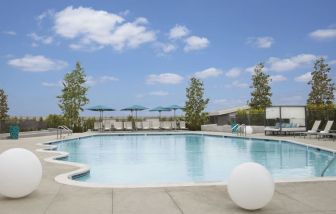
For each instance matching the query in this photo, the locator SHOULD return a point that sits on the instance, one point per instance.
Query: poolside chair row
(109, 125)
(284, 128)
(326, 132)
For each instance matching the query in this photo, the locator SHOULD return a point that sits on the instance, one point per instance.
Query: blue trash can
(14, 131)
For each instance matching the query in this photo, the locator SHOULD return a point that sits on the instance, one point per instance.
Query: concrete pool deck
(53, 197)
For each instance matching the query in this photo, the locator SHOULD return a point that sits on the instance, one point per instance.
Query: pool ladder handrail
(241, 130)
(62, 128)
(328, 165)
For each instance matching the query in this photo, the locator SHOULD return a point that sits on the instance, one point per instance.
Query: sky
(145, 52)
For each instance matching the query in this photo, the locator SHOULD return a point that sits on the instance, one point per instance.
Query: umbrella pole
(175, 120)
(136, 118)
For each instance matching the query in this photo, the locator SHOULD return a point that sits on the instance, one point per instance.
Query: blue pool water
(161, 159)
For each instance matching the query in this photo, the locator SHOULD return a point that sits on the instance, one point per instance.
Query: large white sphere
(250, 186)
(249, 130)
(20, 172)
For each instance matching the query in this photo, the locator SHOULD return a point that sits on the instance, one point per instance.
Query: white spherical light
(249, 130)
(20, 172)
(250, 186)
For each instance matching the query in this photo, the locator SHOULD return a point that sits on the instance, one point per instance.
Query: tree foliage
(3, 105)
(322, 87)
(195, 105)
(261, 90)
(73, 96)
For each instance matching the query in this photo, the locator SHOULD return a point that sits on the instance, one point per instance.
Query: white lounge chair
(107, 125)
(118, 125)
(315, 126)
(145, 125)
(182, 125)
(166, 125)
(96, 126)
(174, 125)
(324, 132)
(328, 126)
(128, 125)
(155, 124)
(138, 125)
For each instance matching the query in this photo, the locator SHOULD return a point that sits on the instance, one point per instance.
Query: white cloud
(196, 43)
(153, 93)
(277, 64)
(233, 72)
(209, 72)
(323, 34)
(92, 81)
(332, 62)
(278, 78)
(52, 84)
(97, 27)
(107, 78)
(40, 39)
(37, 63)
(306, 77)
(178, 32)
(45, 14)
(165, 48)
(250, 69)
(158, 93)
(261, 42)
(10, 33)
(220, 101)
(237, 84)
(165, 78)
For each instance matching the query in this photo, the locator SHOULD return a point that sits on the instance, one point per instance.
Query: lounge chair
(96, 126)
(182, 125)
(155, 125)
(315, 126)
(166, 125)
(107, 125)
(325, 131)
(145, 125)
(313, 130)
(128, 125)
(174, 125)
(118, 125)
(272, 129)
(138, 125)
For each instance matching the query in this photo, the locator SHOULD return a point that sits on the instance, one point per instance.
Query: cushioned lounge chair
(128, 125)
(118, 125)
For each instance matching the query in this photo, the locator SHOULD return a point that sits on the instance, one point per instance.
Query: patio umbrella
(135, 108)
(174, 108)
(101, 110)
(160, 109)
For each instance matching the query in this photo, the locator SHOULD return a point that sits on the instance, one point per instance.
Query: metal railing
(241, 130)
(63, 129)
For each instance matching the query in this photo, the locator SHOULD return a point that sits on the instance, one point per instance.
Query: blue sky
(144, 52)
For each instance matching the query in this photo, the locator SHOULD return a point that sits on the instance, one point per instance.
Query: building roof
(228, 111)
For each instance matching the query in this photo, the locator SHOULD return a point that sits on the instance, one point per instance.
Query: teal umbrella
(135, 108)
(174, 108)
(160, 109)
(101, 110)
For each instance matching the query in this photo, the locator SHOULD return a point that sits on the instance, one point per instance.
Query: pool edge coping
(66, 178)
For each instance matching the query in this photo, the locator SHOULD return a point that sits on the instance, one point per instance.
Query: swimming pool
(184, 158)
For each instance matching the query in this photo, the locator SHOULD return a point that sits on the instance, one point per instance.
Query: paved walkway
(52, 197)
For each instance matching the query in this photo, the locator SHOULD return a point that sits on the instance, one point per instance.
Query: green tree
(195, 105)
(73, 96)
(261, 91)
(322, 87)
(3, 105)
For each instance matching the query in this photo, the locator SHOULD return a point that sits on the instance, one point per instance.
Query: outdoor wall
(227, 128)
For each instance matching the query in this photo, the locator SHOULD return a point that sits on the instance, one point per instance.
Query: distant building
(225, 116)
